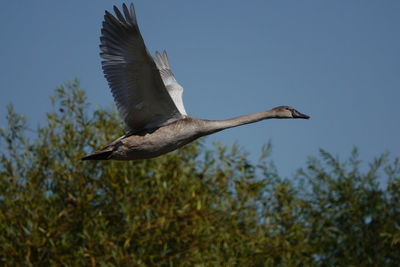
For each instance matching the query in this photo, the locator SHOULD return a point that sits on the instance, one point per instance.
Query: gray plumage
(175, 90)
(135, 81)
(149, 98)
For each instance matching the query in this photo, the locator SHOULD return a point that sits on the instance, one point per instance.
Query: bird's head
(286, 112)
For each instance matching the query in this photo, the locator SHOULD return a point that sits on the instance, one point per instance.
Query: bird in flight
(149, 98)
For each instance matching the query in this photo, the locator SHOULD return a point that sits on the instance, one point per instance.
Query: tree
(195, 206)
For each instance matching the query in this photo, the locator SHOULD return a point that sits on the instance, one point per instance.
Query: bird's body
(149, 98)
(154, 142)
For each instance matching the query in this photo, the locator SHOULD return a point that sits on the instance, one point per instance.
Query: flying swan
(149, 98)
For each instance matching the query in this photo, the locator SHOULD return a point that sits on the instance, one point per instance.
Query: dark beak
(299, 115)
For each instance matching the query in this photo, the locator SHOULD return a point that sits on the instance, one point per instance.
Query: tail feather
(101, 155)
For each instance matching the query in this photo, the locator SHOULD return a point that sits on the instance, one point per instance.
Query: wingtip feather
(102, 155)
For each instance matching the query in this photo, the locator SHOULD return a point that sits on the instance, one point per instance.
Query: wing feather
(136, 84)
(175, 90)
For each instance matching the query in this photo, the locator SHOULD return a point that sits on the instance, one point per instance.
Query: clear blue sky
(337, 61)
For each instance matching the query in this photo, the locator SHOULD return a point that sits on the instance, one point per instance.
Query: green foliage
(193, 207)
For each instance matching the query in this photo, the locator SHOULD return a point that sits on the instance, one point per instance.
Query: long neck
(219, 125)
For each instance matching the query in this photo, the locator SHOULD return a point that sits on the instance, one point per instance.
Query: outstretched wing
(175, 90)
(139, 92)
